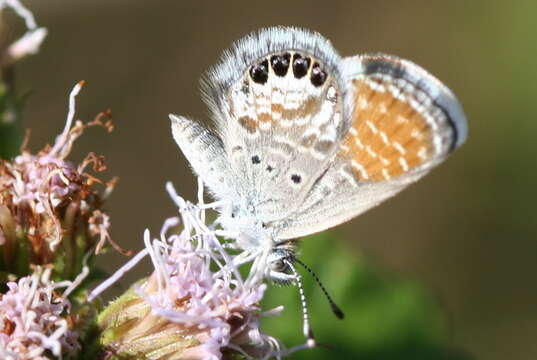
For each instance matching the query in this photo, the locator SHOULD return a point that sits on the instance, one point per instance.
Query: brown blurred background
(467, 232)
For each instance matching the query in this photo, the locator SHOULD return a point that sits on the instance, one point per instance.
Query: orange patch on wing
(388, 137)
(308, 108)
(248, 123)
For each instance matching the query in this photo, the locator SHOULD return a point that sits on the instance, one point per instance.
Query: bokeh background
(445, 270)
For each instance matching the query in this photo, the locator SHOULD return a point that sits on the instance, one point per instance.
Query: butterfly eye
(318, 76)
(259, 72)
(279, 266)
(300, 66)
(280, 63)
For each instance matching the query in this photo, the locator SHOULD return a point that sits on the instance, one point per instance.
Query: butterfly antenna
(335, 309)
(308, 333)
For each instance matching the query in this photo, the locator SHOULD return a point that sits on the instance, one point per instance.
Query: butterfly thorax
(258, 237)
(251, 233)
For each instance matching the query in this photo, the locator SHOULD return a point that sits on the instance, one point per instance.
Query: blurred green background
(451, 261)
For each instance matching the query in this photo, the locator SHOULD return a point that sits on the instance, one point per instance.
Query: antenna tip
(337, 311)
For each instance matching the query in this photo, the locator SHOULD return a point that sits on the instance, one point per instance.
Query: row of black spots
(280, 65)
(256, 160)
(301, 66)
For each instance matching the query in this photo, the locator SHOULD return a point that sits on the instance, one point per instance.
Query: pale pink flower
(34, 320)
(195, 305)
(44, 196)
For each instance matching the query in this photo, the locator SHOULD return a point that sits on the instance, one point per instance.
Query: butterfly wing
(404, 122)
(276, 97)
(205, 153)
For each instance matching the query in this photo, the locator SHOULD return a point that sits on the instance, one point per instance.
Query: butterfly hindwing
(281, 119)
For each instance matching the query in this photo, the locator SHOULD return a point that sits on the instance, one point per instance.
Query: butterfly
(305, 139)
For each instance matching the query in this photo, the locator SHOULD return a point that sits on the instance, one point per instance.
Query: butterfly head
(279, 263)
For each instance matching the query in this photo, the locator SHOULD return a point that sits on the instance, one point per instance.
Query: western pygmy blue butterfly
(306, 140)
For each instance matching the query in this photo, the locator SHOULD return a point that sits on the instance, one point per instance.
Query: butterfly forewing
(396, 124)
(403, 123)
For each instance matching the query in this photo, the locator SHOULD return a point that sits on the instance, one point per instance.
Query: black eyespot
(263, 225)
(318, 75)
(233, 215)
(296, 178)
(259, 72)
(256, 159)
(280, 63)
(269, 168)
(300, 65)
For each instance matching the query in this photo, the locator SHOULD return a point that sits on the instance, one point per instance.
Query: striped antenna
(335, 309)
